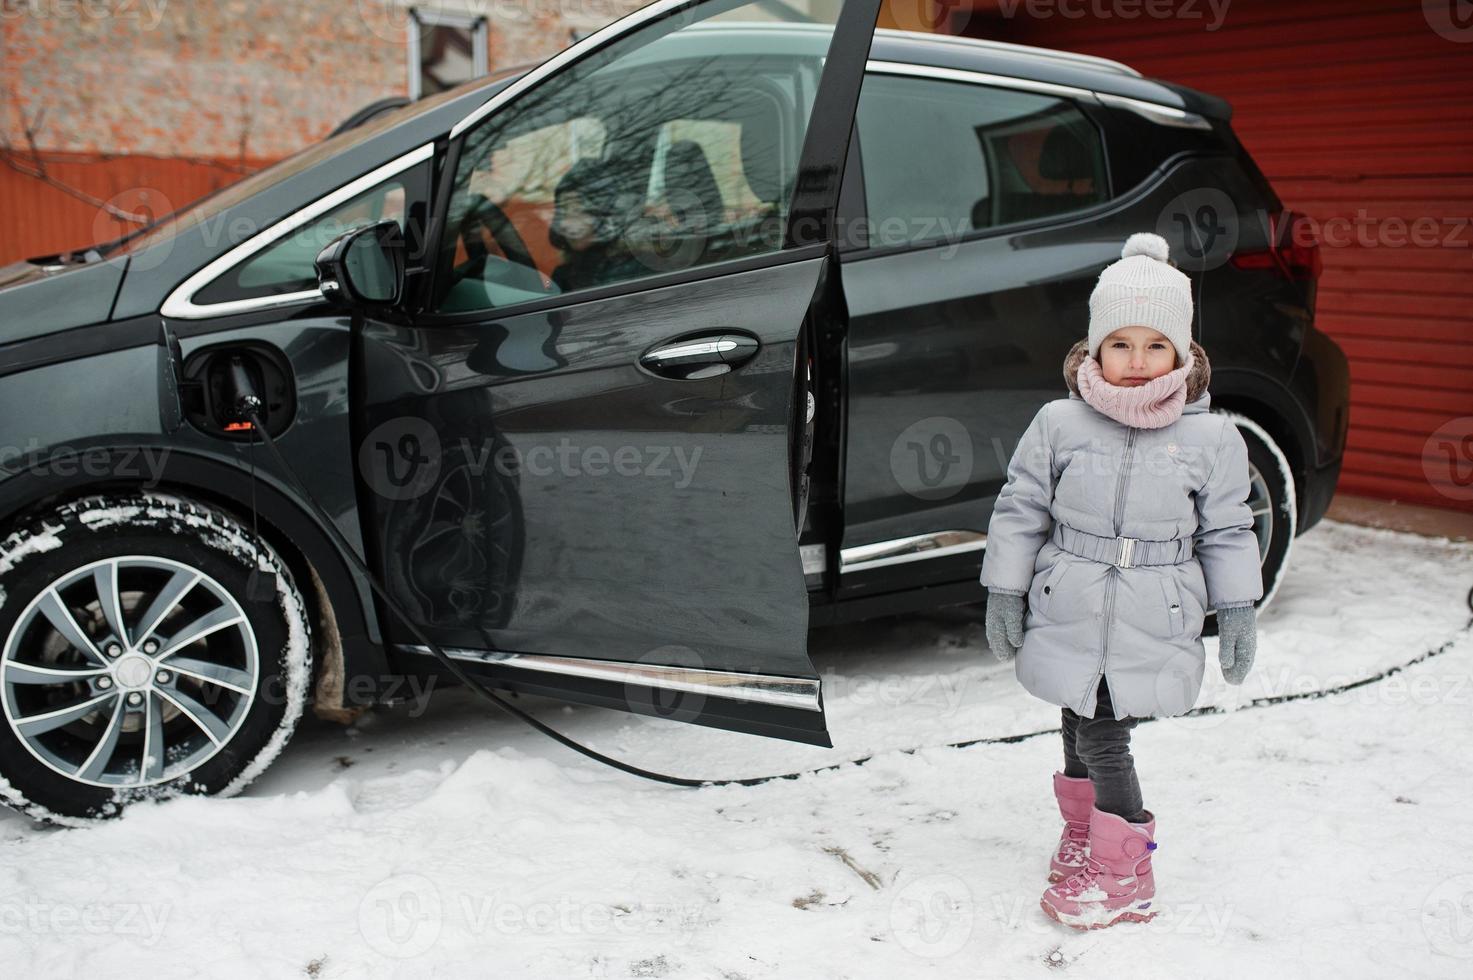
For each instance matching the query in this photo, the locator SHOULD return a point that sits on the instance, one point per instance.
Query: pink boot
(1116, 884)
(1076, 798)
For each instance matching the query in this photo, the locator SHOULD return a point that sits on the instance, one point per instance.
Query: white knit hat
(1142, 289)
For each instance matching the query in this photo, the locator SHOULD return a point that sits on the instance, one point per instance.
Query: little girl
(1123, 520)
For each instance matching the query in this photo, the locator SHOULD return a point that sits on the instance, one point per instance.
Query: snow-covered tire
(248, 665)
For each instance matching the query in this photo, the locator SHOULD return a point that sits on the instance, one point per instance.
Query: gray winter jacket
(1138, 624)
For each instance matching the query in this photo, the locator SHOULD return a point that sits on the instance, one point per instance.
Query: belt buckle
(1126, 552)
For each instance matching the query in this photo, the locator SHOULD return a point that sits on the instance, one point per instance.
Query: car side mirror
(364, 267)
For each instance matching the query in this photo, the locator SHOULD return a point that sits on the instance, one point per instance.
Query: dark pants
(1099, 748)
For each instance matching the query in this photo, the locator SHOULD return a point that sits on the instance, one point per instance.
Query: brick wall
(223, 85)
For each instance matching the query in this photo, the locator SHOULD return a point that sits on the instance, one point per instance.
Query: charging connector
(244, 401)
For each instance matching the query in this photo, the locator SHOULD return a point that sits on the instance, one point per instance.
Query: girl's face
(1131, 356)
(575, 223)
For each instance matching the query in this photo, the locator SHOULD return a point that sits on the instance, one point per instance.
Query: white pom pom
(1146, 243)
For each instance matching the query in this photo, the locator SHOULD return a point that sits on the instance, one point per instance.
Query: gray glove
(1237, 641)
(1005, 623)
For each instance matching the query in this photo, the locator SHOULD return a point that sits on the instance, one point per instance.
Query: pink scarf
(1156, 403)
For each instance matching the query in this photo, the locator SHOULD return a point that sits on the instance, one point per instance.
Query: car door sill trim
(917, 547)
(788, 692)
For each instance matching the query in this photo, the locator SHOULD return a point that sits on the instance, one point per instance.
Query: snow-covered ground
(1320, 837)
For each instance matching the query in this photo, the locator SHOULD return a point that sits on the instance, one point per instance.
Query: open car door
(584, 440)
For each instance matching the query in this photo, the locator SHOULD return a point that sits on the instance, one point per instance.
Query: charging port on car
(209, 386)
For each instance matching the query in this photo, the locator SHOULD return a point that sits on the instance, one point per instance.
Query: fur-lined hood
(1197, 378)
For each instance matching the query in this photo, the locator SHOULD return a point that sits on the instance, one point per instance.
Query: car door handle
(701, 357)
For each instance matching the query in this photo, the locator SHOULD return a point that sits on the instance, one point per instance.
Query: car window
(945, 158)
(286, 265)
(680, 154)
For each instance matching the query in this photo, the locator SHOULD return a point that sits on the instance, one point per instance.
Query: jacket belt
(1123, 551)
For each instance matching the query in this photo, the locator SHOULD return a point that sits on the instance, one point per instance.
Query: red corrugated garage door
(1361, 114)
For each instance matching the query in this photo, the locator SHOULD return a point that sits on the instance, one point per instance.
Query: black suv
(597, 365)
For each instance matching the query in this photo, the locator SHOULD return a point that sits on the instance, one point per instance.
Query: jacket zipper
(1109, 604)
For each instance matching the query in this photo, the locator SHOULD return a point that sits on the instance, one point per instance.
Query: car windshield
(212, 204)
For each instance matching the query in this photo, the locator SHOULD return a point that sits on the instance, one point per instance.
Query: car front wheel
(152, 647)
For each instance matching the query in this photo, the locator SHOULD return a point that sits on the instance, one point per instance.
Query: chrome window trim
(787, 692)
(917, 547)
(1008, 47)
(568, 55)
(1164, 114)
(978, 78)
(970, 43)
(180, 303)
(1155, 112)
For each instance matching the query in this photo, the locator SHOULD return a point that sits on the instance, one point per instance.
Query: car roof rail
(973, 43)
(1008, 47)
